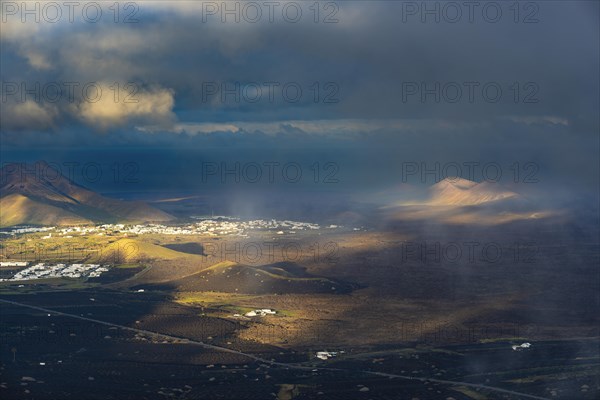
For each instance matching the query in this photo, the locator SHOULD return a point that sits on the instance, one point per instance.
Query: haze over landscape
(300, 200)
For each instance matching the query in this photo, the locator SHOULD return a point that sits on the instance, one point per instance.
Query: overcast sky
(375, 82)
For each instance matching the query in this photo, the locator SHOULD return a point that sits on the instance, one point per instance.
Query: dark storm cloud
(374, 58)
(364, 82)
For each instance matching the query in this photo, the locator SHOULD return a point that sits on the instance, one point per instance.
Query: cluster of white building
(522, 346)
(324, 355)
(214, 227)
(208, 227)
(44, 271)
(13, 263)
(263, 312)
(219, 226)
(27, 229)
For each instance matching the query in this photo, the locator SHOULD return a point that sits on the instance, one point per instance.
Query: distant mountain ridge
(463, 192)
(38, 199)
(461, 201)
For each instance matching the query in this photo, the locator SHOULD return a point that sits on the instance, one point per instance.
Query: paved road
(274, 363)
